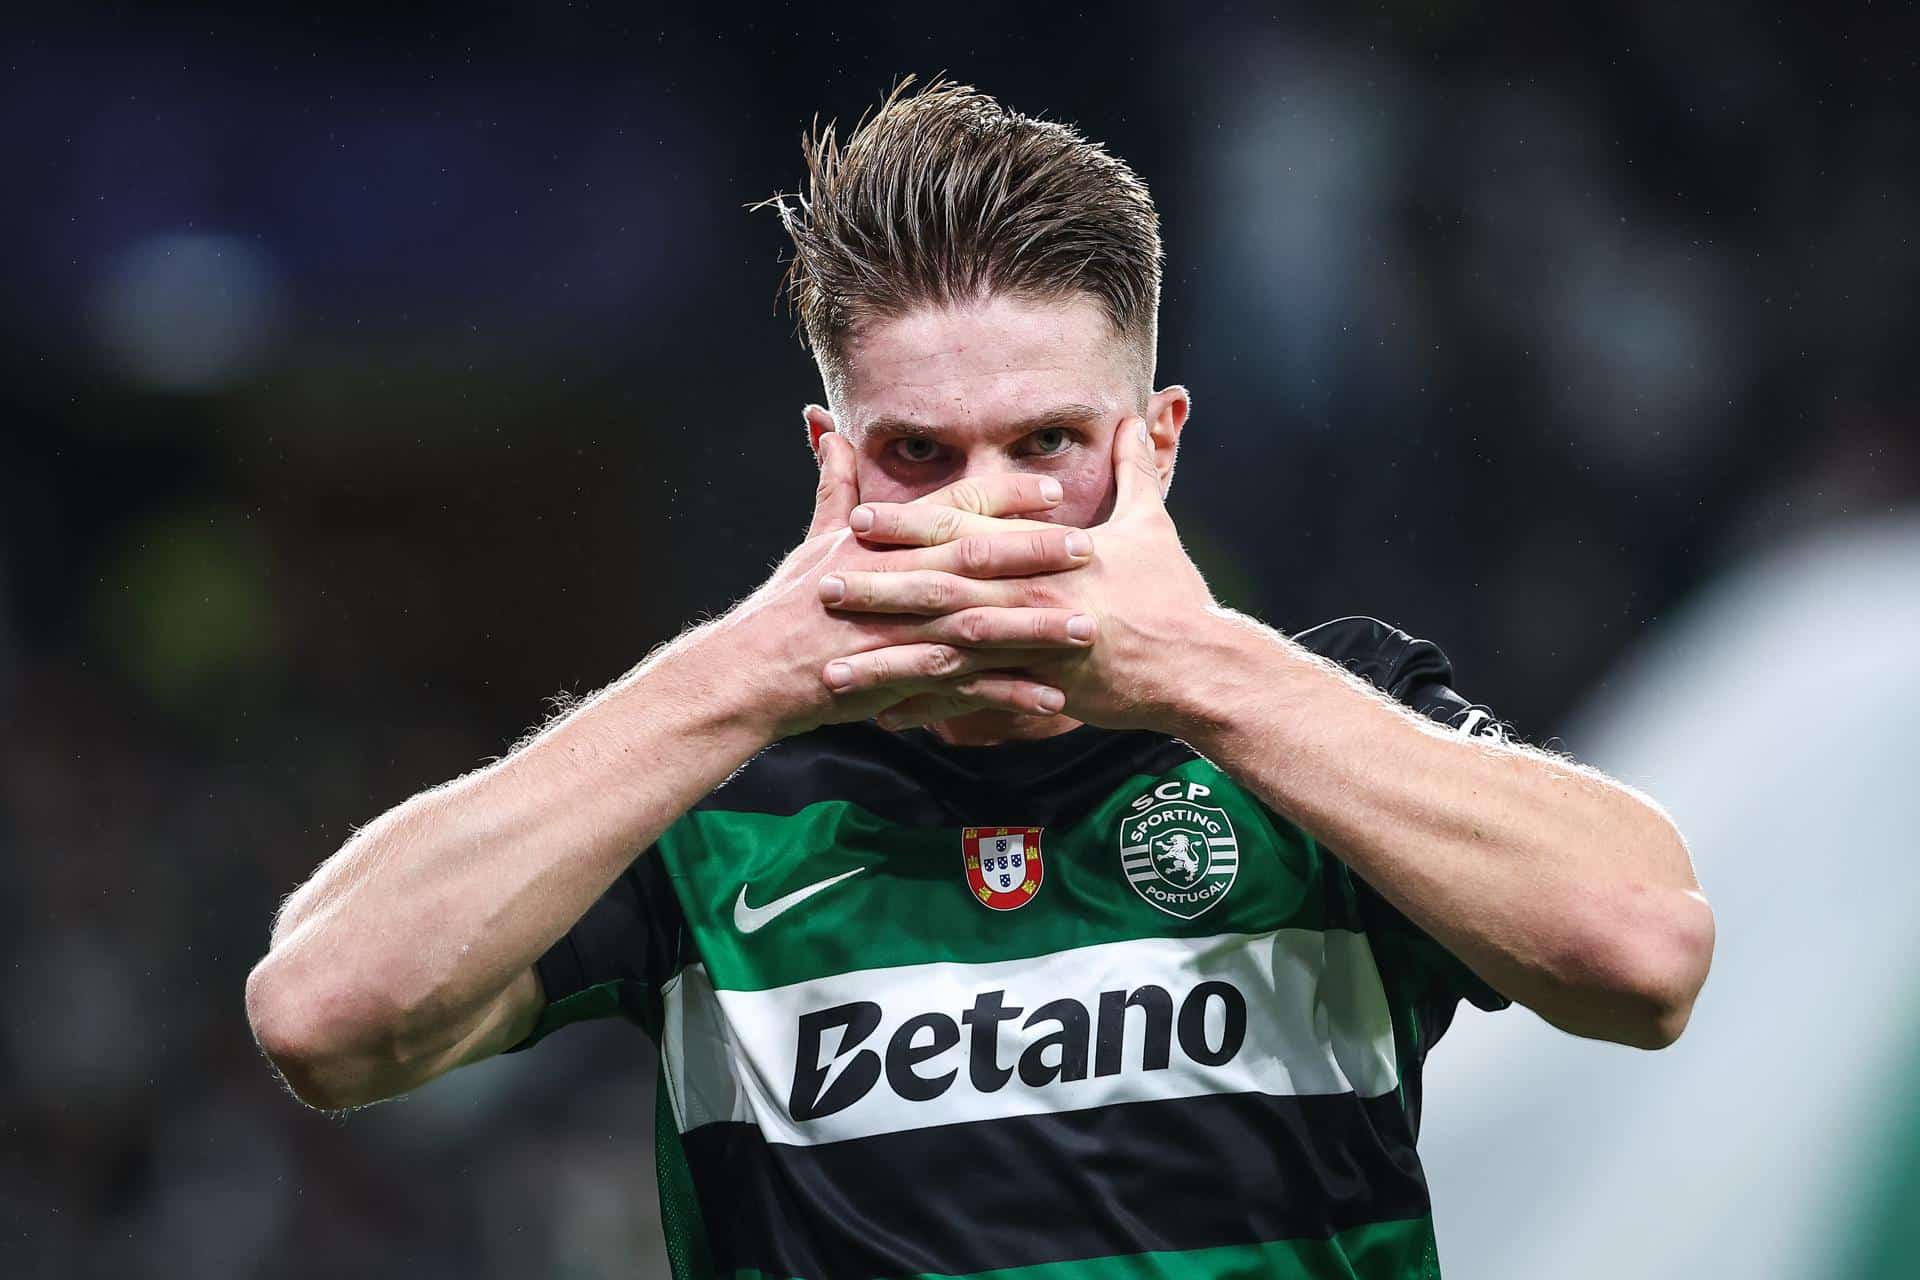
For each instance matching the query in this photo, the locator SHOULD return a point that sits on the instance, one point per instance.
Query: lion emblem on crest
(1178, 854)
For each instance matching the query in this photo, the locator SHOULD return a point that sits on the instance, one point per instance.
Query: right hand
(783, 637)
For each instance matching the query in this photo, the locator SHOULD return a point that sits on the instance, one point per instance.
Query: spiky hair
(944, 197)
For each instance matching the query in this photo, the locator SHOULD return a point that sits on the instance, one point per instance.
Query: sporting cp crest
(1178, 854)
(1003, 864)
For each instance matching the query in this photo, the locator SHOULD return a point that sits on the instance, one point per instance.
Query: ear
(1167, 411)
(819, 422)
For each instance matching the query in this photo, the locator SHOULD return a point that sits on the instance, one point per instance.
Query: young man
(1059, 916)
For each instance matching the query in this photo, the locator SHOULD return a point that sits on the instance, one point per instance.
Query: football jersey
(1068, 1009)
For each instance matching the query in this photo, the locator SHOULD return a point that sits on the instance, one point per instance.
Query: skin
(1565, 890)
(938, 403)
(946, 583)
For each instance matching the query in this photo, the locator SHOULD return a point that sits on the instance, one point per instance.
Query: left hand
(1143, 594)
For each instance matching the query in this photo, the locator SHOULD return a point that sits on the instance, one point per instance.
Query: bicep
(507, 1020)
(498, 1025)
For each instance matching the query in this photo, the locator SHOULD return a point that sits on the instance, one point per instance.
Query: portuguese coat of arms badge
(1004, 869)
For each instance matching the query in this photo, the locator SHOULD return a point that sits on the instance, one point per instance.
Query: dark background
(373, 376)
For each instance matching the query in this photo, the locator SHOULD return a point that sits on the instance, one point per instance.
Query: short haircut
(944, 197)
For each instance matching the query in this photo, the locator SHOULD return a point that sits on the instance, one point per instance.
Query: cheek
(876, 485)
(1088, 486)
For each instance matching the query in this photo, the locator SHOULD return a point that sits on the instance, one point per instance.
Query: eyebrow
(1066, 415)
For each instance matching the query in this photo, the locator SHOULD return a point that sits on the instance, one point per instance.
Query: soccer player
(995, 898)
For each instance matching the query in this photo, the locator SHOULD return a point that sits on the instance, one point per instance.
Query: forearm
(1563, 889)
(387, 965)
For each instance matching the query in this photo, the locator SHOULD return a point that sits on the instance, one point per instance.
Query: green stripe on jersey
(1378, 1251)
(911, 904)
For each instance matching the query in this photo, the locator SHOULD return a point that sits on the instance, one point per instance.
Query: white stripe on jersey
(1317, 1023)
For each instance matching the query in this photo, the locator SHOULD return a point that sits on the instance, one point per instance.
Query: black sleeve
(616, 957)
(1418, 674)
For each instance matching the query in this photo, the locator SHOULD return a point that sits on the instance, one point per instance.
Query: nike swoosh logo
(751, 919)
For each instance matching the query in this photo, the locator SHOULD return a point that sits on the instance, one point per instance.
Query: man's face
(1003, 385)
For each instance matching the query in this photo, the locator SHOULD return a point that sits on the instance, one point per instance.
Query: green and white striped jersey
(1072, 1009)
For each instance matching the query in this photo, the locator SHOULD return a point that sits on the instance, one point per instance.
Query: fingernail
(861, 520)
(1080, 627)
(833, 589)
(1079, 544)
(1051, 699)
(1050, 490)
(1146, 436)
(839, 675)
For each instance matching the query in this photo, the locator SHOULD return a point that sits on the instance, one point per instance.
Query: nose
(985, 460)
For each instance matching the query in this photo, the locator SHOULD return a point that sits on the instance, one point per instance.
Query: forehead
(995, 361)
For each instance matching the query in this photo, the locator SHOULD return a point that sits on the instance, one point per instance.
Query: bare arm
(1564, 889)
(411, 950)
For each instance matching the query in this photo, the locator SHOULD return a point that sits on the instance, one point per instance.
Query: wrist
(712, 673)
(1231, 666)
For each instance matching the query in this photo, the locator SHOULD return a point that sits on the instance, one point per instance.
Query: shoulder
(1382, 654)
(823, 764)
(1414, 671)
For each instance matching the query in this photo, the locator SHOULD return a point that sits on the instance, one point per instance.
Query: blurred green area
(186, 610)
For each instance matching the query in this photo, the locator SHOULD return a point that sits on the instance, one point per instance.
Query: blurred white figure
(1775, 717)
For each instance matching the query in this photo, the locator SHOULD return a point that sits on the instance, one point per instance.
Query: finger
(1136, 467)
(1014, 629)
(911, 524)
(1008, 693)
(922, 709)
(923, 591)
(1014, 554)
(918, 668)
(839, 491)
(1007, 494)
(915, 666)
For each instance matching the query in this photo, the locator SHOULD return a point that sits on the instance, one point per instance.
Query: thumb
(1136, 469)
(839, 491)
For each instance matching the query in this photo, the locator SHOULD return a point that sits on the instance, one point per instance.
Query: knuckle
(946, 525)
(1045, 546)
(976, 554)
(973, 627)
(967, 495)
(935, 593)
(942, 659)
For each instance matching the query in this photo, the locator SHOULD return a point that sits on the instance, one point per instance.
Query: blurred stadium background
(373, 376)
